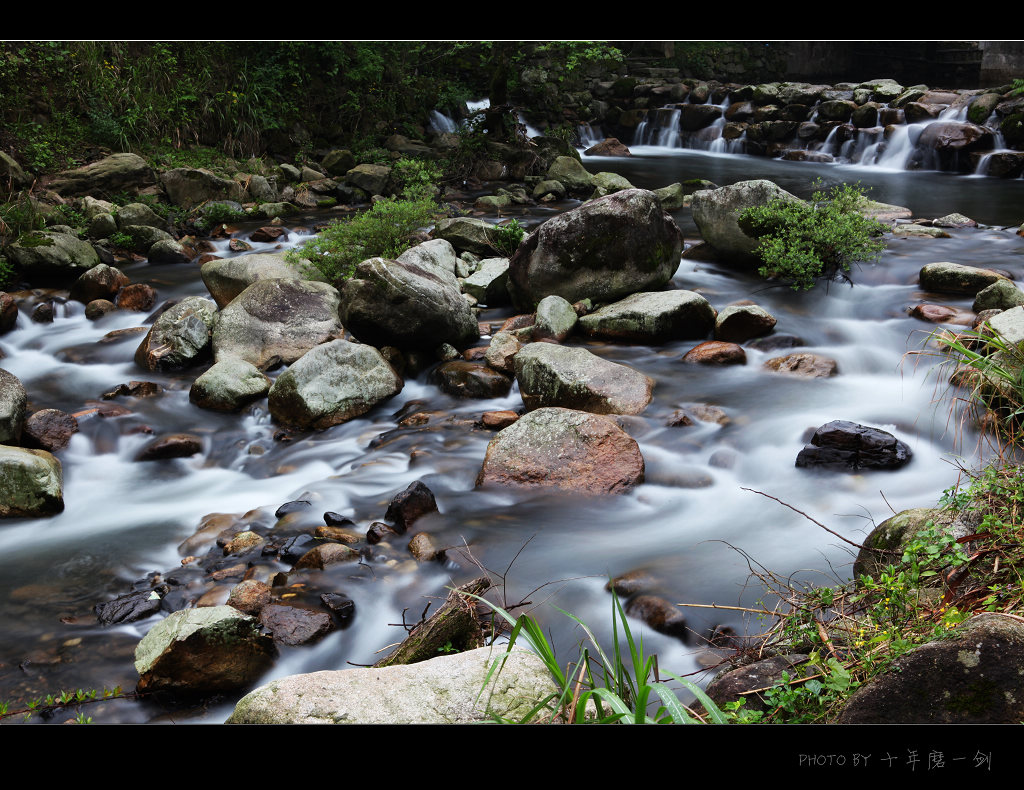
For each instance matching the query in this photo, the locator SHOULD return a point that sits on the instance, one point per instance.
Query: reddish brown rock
(326, 554)
(471, 380)
(422, 547)
(100, 282)
(238, 245)
(716, 352)
(138, 297)
(8, 312)
(177, 445)
(498, 419)
(936, 313)
(610, 146)
(659, 614)
(268, 234)
(98, 308)
(564, 449)
(49, 429)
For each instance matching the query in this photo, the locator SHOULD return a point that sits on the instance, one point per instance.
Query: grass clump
(805, 241)
(384, 230)
(619, 686)
(507, 237)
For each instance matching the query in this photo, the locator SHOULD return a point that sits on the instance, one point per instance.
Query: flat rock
(652, 317)
(847, 446)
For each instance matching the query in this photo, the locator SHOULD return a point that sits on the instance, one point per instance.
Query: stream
(690, 524)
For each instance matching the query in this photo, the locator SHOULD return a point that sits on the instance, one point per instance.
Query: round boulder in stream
(846, 446)
(331, 384)
(564, 449)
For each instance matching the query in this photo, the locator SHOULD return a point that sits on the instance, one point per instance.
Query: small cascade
(662, 128)
(589, 135)
(441, 123)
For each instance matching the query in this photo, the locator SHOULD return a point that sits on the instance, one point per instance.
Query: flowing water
(689, 524)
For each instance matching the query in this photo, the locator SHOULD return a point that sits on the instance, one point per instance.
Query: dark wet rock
(100, 282)
(13, 402)
(564, 449)
(331, 384)
(326, 554)
(970, 676)
(652, 317)
(776, 343)
(715, 352)
(403, 305)
(847, 446)
(249, 596)
(573, 378)
(229, 385)
(342, 607)
(43, 313)
(128, 608)
(639, 581)
(107, 176)
(295, 506)
(276, 322)
(98, 308)
(956, 278)
(934, 313)
(295, 548)
(739, 323)
(295, 625)
(333, 519)
(177, 445)
(810, 366)
(134, 389)
(410, 505)
(659, 614)
(732, 686)
(179, 337)
(379, 531)
(49, 429)
(268, 234)
(422, 547)
(606, 249)
(138, 297)
(212, 649)
(471, 380)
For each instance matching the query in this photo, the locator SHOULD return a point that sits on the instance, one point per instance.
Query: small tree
(803, 241)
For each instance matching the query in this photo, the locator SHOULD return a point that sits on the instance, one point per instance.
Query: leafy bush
(417, 178)
(383, 231)
(801, 241)
(508, 237)
(121, 240)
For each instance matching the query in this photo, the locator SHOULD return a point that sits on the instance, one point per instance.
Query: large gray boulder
(716, 212)
(50, 257)
(437, 256)
(31, 483)
(468, 234)
(391, 303)
(188, 187)
(276, 322)
(138, 214)
(570, 173)
(563, 449)
(229, 385)
(179, 337)
(11, 173)
(115, 173)
(604, 250)
(374, 179)
(970, 676)
(489, 283)
(451, 689)
(956, 278)
(13, 402)
(653, 317)
(331, 384)
(573, 378)
(210, 649)
(227, 278)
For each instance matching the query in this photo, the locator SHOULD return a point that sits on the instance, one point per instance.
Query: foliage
(48, 706)
(121, 240)
(416, 178)
(801, 241)
(213, 214)
(621, 688)
(7, 272)
(383, 230)
(507, 237)
(579, 56)
(1018, 87)
(19, 216)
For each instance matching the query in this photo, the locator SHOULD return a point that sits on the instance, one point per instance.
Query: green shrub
(804, 241)
(383, 231)
(508, 237)
(121, 241)
(214, 214)
(417, 178)
(19, 216)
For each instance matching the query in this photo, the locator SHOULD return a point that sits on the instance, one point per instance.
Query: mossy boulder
(49, 257)
(31, 483)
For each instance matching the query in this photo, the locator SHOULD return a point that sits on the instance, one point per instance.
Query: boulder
(332, 384)
(969, 676)
(716, 212)
(501, 352)
(410, 505)
(13, 402)
(277, 321)
(556, 319)
(568, 450)
(211, 649)
(145, 236)
(573, 378)
(138, 214)
(168, 251)
(846, 446)
(227, 278)
(451, 689)
(374, 179)
(716, 352)
(956, 278)
(470, 380)
(610, 146)
(188, 187)
(739, 323)
(112, 174)
(338, 162)
(468, 234)
(607, 183)
(100, 282)
(606, 249)
(295, 625)
(653, 317)
(11, 174)
(568, 171)
(49, 257)
(1000, 295)
(49, 429)
(31, 483)
(229, 385)
(810, 366)
(179, 337)
(489, 283)
(175, 445)
(437, 256)
(8, 312)
(390, 303)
